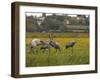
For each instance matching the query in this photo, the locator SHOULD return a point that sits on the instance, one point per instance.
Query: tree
(32, 24)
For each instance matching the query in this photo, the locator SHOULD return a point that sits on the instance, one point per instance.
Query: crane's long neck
(50, 36)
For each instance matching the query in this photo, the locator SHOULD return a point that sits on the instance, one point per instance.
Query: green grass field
(79, 56)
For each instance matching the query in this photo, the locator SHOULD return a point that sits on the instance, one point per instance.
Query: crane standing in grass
(45, 46)
(70, 44)
(54, 44)
(34, 44)
(50, 43)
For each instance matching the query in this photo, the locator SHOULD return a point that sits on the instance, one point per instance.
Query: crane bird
(35, 43)
(45, 46)
(50, 43)
(70, 44)
(55, 45)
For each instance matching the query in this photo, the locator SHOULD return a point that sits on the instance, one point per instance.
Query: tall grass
(79, 56)
(56, 35)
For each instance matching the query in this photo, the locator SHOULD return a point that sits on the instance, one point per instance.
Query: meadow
(79, 56)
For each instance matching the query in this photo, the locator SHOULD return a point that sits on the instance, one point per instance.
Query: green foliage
(54, 22)
(31, 24)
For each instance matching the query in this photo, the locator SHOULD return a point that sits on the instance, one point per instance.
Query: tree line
(55, 22)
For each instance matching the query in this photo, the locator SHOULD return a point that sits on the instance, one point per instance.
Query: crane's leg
(72, 50)
(59, 49)
(49, 50)
(56, 51)
(48, 58)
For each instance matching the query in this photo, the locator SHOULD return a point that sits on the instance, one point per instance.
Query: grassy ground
(79, 56)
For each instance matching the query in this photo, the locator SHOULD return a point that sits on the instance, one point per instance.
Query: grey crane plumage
(34, 44)
(70, 44)
(45, 45)
(55, 45)
(50, 43)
